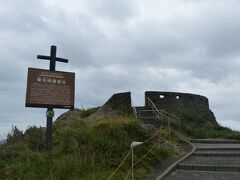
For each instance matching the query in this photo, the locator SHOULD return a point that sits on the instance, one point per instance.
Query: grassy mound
(82, 150)
(194, 125)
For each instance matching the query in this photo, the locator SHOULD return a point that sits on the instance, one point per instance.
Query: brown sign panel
(50, 89)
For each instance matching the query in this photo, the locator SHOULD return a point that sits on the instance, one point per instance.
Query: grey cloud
(121, 46)
(116, 10)
(25, 16)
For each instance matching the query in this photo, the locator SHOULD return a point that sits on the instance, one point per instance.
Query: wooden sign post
(50, 89)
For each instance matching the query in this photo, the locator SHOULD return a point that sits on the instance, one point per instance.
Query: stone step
(212, 161)
(200, 175)
(223, 149)
(217, 152)
(215, 159)
(219, 168)
(146, 114)
(153, 121)
(142, 108)
(215, 141)
(217, 146)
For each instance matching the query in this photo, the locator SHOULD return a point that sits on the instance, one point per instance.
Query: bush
(80, 151)
(15, 136)
(35, 138)
(88, 112)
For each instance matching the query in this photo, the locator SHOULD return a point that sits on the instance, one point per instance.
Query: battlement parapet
(166, 100)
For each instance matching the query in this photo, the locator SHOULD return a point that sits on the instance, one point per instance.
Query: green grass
(205, 131)
(81, 150)
(93, 148)
(195, 126)
(88, 112)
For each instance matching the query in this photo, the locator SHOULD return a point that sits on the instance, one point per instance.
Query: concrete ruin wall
(172, 101)
(167, 100)
(120, 101)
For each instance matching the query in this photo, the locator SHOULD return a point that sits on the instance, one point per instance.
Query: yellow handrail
(165, 114)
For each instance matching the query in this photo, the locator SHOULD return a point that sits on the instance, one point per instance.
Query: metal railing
(135, 111)
(162, 114)
(177, 119)
(140, 112)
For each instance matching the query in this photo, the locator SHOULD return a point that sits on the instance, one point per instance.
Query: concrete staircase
(147, 116)
(213, 159)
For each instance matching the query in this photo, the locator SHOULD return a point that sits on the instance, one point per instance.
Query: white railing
(135, 112)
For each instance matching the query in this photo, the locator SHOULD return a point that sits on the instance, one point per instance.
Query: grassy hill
(86, 145)
(90, 144)
(194, 125)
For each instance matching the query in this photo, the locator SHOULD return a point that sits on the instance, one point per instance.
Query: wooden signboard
(50, 89)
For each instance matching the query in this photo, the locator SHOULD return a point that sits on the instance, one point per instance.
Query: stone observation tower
(172, 102)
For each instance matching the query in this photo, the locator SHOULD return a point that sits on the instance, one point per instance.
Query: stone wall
(120, 101)
(168, 100)
(173, 101)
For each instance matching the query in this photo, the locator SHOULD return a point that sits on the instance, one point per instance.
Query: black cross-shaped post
(50, 112)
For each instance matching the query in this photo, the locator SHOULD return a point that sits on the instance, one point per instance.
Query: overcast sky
(122, 45)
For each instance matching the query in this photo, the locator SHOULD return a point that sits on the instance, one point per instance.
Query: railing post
(135, 111)
(169, 128)
(132, 163)
(163, 114)
(180, 128)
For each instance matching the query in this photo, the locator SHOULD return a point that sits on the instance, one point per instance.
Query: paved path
(213, 160)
